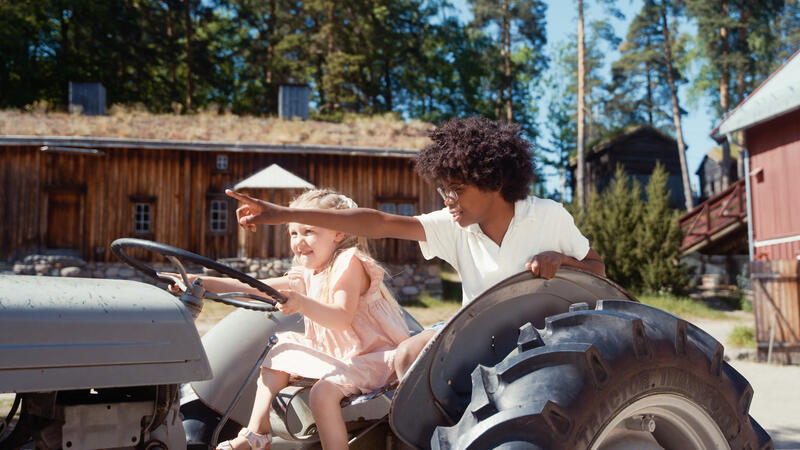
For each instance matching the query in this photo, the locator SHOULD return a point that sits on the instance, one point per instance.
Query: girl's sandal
(256, 441)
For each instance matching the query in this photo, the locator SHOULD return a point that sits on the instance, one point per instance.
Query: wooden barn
(637, 149)
(767, 127)
(712, 174)
(81, 193)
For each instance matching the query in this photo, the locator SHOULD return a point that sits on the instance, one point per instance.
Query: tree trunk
(387, 79)
(580, 186)
(743, 19)
(331, 94)
(320, 84)
(676, 111)
(170, 46)
(270, 42)
(188, 19)
(724, 79)
(507, 60)
(649, 88)
(64, 55)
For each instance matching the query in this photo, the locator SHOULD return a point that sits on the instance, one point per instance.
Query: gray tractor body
(96, 362)
(70, 333)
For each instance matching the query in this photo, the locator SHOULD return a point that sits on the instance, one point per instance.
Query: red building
(767, 125)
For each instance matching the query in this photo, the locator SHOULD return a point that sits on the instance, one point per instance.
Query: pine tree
(519, 22)
(787, 31)
(734, 37)
(610, 222)
(580, 176)
(664, 10)
(658, 240)
(635, 92)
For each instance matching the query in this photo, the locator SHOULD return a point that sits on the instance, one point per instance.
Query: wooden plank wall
(774, 148)
(776, 304)
(181, 184)
(20, 177)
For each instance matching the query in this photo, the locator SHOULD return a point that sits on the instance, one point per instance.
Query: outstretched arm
(223, 284)
(546, 264)
(365, 222)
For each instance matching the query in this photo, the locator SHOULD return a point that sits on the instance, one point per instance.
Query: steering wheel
(177, 256)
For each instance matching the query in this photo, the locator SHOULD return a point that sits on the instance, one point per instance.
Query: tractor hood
(437, 387)
(75, 333)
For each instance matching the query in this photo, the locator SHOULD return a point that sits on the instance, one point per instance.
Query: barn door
(64, 218)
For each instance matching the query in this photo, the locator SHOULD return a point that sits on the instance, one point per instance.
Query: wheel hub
(661, 421)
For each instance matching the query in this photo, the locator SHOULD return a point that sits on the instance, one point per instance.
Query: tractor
(573, 362)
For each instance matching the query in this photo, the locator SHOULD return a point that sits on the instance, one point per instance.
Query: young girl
(352, 327)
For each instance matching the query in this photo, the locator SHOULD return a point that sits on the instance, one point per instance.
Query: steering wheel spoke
(178, 257)
(172, 280)
(181, 269)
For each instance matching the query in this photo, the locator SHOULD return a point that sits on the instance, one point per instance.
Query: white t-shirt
(538, 225)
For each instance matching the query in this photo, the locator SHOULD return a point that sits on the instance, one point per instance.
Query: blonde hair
(329, 199)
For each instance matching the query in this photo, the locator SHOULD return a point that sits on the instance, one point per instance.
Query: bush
(638, 240)
(743, 337)
(659, 238)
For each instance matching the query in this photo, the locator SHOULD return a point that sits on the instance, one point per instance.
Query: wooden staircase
(715, 219)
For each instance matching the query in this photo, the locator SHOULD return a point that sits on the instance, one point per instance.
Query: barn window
(390, 208)
(222, 162)
(218, 216)
(142, 218)
(403, 207)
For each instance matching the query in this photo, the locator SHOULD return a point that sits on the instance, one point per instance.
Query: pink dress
(358, 359)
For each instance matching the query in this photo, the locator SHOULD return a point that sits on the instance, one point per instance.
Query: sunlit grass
(430, 310)
(743, 336)
(386, 131)
(682, 306)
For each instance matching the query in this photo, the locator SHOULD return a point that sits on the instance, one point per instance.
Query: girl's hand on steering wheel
(175, 288)
(294, 302)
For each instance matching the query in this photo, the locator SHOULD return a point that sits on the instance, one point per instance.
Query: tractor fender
(437, 387)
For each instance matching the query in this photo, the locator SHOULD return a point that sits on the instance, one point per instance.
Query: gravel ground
(776, 400)
(776, 388)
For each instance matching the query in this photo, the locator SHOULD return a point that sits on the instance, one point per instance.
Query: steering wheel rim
(119, 246)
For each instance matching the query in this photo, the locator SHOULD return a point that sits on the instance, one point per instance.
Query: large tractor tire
(622, 376)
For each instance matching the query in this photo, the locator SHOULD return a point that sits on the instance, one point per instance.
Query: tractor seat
(355, 399)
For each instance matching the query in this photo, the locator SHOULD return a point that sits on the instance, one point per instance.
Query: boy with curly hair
(489, 229)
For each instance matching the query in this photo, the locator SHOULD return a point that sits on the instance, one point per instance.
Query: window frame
(148, 202)
(222, 157)
(211, 220)
(396, 202)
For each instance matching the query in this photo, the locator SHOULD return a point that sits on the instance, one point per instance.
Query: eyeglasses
(449, 192)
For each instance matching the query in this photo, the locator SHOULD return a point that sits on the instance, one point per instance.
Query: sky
(562, 21)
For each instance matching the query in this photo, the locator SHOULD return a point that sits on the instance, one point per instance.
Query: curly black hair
(484, 153)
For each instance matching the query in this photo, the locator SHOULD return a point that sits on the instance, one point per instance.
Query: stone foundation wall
(407, 282)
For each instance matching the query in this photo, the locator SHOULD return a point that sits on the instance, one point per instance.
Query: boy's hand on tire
(545, 264)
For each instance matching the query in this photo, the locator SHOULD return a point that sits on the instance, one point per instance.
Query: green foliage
(638, 240)
(747, 51)
(682, 306)
(659, 238)
(612, 218)
(360, 56)
(638, 91)
(743, 336)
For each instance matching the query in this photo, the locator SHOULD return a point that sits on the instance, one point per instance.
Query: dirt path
(776, 389)
(776, 400)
